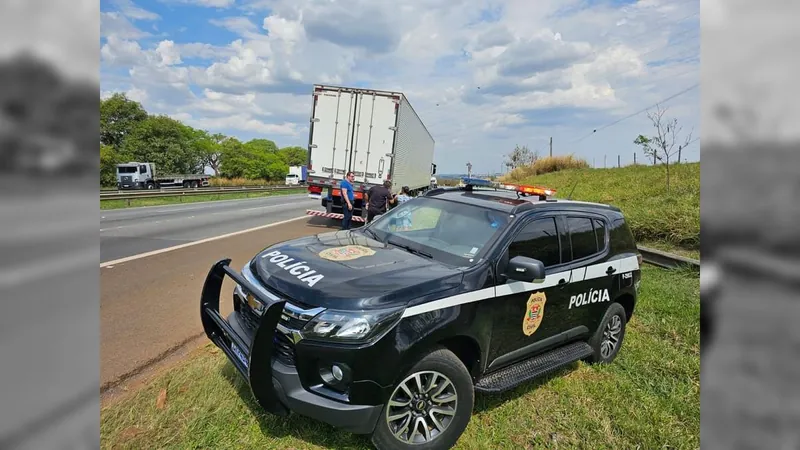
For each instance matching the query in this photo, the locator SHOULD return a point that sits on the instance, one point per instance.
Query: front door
(530, 317)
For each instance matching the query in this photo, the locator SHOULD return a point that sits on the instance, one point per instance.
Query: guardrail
(188, 192)
(199, 188)
(666, 260)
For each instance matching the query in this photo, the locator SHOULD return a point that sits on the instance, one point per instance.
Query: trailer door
(332, 132)
(374, 137)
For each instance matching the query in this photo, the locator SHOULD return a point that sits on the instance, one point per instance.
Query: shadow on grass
(296, 426)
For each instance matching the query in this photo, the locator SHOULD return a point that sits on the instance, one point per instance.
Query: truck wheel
(607, 340)
(151, 186)
(430, 407)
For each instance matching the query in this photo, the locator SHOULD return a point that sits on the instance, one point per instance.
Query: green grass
(158, 201)
(649, 397)
(658, 219)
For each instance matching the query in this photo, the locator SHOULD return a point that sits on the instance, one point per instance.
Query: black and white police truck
(391, 328)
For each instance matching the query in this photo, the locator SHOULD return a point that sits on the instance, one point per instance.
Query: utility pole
(680, 147)
(604, 162)
(551, 147)
(619, 164)
(634, 158)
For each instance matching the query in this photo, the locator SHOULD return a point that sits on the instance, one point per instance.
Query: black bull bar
(258, 371)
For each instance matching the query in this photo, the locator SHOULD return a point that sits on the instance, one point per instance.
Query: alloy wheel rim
(611, 336)
(421, 407)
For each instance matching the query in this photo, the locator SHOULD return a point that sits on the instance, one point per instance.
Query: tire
(439, 362)
(614, 321)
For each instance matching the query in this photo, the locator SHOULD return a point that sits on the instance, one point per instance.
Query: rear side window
(539, 240)
(584, 241)
(621, 237)
(600, 234)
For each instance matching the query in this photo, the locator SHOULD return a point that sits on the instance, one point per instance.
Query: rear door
(591, 286)
(333, 126)
(374, 136)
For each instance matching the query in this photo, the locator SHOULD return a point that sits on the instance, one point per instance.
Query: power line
(636, 113)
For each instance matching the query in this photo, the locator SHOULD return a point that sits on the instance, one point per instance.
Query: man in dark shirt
(378, 200)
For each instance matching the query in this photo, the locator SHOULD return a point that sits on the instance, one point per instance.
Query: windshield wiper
(409, 249)
(372, 233)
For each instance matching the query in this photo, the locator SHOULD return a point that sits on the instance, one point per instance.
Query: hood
(348, 270)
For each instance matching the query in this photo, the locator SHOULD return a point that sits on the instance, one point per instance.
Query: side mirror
(522, 268)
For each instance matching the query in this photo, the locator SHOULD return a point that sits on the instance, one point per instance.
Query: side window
(600, 234)
(539, 239)
(584, 241)
(143, 169)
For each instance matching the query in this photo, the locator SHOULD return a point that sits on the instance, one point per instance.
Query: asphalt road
(131, 231)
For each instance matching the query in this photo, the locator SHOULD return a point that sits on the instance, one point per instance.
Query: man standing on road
(348, 197)
(378, 200)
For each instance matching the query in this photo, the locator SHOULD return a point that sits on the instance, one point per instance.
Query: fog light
(337, 372)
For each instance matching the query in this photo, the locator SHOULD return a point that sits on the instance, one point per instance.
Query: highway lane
(131, 231)
(150, 306)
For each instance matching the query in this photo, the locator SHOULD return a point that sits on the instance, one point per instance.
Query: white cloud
(533, 70)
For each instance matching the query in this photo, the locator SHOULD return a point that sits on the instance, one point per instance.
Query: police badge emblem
(534, 313)
(346, 253)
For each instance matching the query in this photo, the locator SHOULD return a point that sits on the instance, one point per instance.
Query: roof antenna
(573, 190)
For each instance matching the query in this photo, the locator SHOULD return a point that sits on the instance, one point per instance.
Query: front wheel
(431, 406)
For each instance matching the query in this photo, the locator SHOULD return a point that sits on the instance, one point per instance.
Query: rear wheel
(607, 340)
(430, 407)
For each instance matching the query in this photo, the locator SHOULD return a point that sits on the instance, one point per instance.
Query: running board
(526, 370)
(338, 216)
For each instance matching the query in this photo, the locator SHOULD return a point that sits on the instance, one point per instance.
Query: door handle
(611, 270)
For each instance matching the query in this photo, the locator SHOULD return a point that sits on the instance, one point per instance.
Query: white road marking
(108, 264)
(58, 265)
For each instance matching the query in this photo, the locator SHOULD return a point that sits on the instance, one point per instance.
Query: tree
(118, 117)
(521, 156)
(294, 156)
(171, 145)
(108, 165)
(661, 147)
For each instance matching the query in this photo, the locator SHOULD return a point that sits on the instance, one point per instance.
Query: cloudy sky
(483, 75)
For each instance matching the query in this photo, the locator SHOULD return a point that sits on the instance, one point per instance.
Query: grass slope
(656, 218)
(648, 398)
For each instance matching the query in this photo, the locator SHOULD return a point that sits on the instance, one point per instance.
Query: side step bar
(538, 366)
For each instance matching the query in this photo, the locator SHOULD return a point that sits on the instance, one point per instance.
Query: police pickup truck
(390, 329)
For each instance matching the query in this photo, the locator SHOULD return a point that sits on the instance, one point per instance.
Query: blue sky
(483, 75)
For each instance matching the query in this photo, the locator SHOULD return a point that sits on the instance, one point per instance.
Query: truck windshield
(450, 232)
(126, 169)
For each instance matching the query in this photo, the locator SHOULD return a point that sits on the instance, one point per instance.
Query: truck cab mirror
(433, 169)
(522, 268)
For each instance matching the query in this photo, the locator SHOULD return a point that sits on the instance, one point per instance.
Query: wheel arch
(628, 302)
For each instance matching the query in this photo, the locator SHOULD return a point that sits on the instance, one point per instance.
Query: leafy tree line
(129, 133)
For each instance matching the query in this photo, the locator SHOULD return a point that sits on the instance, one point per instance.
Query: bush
(548, 164)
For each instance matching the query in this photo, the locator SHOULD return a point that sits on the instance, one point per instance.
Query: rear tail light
(315, 189)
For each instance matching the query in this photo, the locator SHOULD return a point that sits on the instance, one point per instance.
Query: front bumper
(276, 387)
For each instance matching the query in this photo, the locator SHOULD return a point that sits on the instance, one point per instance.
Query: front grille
(284, 349)
(126, 178)
(292, 320)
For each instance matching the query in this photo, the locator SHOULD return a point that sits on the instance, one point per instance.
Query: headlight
(351, 326)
